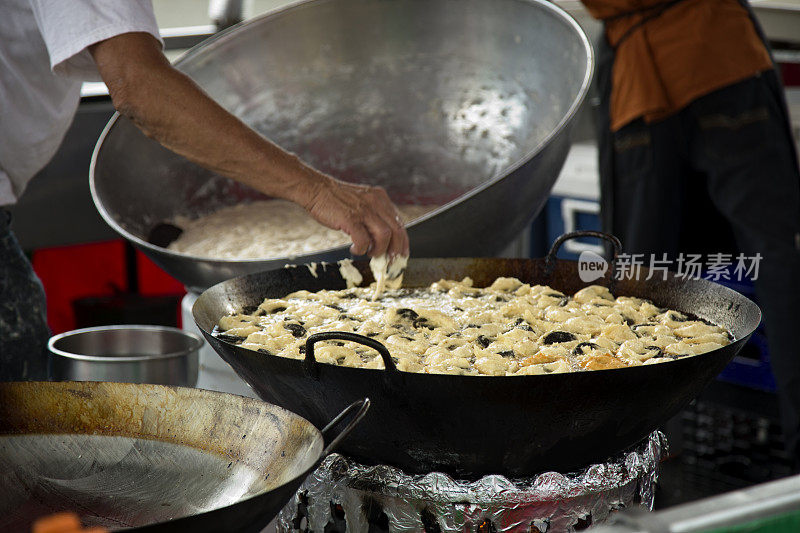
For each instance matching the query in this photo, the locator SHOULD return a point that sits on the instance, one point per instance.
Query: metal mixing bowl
(129, 354)
(465, 104)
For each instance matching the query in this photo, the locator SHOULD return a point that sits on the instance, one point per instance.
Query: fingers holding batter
(365, 213)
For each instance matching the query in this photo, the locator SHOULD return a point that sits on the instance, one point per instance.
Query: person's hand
(363, 212)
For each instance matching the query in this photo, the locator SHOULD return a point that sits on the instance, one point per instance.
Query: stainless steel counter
(773, 507)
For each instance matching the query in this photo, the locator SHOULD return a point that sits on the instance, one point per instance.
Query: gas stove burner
(342, 495)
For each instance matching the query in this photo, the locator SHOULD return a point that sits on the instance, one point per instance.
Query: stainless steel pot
(129, 354)
(464, 104)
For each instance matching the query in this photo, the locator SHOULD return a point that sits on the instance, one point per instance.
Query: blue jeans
(23, 317)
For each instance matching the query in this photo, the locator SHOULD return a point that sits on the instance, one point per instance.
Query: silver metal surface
(759, 506)
(125, 455)
(465, 104)
(226, 12)
(130, 354)
(213, 372)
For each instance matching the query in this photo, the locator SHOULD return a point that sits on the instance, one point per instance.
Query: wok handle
(362, 406)
(550, 260)
(388, 363)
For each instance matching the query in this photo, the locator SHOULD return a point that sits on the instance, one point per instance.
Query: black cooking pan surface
(472, 425)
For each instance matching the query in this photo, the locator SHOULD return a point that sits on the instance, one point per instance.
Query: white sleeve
(70, 27)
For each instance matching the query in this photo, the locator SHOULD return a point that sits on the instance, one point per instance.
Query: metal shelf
(773, 507)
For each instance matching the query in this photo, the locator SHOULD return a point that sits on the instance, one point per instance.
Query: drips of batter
(451, 327)
(388, 273)
(350, 273)
(270, 228)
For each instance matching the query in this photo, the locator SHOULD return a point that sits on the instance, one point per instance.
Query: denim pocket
(633, 153)
(734, 137)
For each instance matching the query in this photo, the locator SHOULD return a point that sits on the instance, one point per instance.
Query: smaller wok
(151, 457)
(476, 425)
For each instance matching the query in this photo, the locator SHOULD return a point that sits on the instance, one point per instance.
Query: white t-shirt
(44, 57)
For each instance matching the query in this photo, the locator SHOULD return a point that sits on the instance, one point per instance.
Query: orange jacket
(692, 48)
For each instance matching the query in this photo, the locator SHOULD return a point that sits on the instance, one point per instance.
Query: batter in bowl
(264, 229)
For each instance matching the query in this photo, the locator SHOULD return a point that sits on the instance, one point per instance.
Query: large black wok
(150, 457)
(465, 425)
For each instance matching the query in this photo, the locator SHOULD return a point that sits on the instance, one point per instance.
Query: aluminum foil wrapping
(383, 498)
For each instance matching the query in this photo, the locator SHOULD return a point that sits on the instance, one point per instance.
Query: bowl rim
(221, 37)
(196, 343)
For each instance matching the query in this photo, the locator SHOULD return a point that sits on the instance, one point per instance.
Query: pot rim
(196, 344)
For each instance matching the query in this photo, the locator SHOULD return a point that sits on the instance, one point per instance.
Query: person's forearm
(170, 108)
